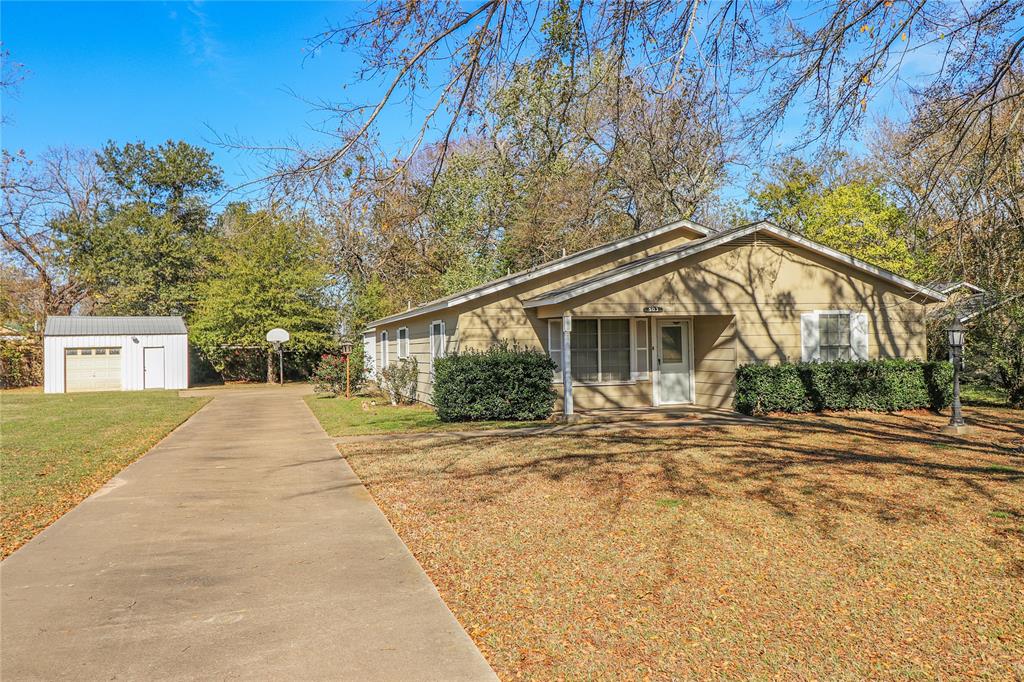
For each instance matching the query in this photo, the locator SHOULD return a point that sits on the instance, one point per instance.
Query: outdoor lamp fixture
(346, 352)
(956, 333)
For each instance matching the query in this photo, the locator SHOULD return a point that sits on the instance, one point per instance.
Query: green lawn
(56, 450)
(983, 395)
(371, 414)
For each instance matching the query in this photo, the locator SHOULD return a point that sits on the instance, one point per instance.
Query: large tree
(268, 272)
(757, 64)
(847, 211)
(148, 248)
(43, 200)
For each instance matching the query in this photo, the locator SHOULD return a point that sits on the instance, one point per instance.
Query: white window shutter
(555, 346)
(859, 336)
(641, 344)
(810, 350)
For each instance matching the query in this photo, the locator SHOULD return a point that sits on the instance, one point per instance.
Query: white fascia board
(548, 268)
(785, 235)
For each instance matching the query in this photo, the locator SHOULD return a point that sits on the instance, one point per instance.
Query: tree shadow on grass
(889, 467)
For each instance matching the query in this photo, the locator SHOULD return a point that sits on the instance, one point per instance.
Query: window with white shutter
(555, 346)
(641, 350)
(830, 335)
(403, 342)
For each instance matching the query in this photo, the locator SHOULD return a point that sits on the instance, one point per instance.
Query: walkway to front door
(241, 547)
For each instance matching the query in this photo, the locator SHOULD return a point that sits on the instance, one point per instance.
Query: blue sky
(154, 71)
(158, 70)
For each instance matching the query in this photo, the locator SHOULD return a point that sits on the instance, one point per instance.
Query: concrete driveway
(241, 547)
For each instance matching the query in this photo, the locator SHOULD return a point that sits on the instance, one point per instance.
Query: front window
(834, 336)
(600, 349)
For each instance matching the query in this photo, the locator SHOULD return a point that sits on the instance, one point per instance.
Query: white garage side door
(92, 369)
(153, 368)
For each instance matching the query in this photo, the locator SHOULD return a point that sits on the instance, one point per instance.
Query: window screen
(614, 350)
(584, 354)
(834, 336)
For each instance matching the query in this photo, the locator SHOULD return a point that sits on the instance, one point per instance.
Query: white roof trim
(541, 270)
(966, 285)
(990, 307)
(627, 271)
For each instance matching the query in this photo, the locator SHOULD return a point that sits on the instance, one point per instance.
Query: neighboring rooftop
(949, 287)
(83, 325)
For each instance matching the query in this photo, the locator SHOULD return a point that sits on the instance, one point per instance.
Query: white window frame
(555, 333)
(636, 349)
(434, 351)
(810, 335)
(403, 343)
(384, 360)
(555, 347)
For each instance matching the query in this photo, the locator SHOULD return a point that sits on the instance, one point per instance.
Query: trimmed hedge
(878, 385)
(502, 383)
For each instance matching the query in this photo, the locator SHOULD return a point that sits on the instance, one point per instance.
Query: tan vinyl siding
(602, 396)
(419, 346)
(767, 285)
(714, 360)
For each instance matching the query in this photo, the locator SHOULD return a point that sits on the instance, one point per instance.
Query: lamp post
(956, 334)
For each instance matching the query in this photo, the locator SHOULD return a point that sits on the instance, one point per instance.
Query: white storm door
(153, 368)
(674, 385)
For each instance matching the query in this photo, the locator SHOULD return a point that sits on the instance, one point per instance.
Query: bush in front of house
(398, 381)
(877, 385)
(502, 383)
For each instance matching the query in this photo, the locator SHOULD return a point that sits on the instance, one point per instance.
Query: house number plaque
(653, 309)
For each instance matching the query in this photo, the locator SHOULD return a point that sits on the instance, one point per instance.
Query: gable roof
(657, 260)
(949, 287)
(541, 270)
(81, 325)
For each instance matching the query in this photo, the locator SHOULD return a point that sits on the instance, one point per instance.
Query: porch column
(566, 365)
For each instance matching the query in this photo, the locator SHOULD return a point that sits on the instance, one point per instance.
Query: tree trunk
(271, 367)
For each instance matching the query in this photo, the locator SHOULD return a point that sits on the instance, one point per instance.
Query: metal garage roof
(80, 325)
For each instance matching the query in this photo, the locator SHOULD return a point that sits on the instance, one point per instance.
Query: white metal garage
(114, 354)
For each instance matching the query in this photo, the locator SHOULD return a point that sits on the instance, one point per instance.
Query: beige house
(666, 316)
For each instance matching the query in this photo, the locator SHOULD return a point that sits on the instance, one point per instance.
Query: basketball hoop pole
(277, 337)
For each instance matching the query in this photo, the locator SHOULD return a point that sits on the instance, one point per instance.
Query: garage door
(92, 369)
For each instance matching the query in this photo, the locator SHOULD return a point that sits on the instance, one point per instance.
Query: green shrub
(329, 375)
(398, 380)
(878, 385)
(502, 383)
(21, 364)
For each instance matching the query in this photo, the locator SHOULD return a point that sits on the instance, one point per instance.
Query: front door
(674, 384)
(153, 368)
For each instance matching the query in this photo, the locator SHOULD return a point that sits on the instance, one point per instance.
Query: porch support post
(566, 365)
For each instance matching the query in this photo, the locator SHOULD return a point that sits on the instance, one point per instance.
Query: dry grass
(840, 547)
